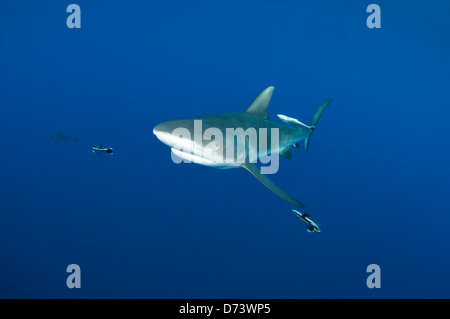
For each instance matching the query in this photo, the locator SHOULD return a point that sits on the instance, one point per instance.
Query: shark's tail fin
(312, 124)
(76, 139)
(315, 120)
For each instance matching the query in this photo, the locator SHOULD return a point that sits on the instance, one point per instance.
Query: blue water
(376, 177)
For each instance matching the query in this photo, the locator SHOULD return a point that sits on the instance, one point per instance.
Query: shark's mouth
(192, 158)
(174, 141)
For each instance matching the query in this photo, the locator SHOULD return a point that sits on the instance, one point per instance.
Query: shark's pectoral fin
(270, 185)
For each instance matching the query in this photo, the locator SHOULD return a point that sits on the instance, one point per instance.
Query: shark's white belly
(193, 158)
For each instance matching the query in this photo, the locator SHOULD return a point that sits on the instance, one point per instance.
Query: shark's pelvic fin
(286, 153)
(261, 103)
(270, 185)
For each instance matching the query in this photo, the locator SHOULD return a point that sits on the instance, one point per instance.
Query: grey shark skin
(61, 137)
(254, 117)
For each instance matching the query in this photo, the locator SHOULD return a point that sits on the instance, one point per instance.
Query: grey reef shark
(65, 138)
(240, 140)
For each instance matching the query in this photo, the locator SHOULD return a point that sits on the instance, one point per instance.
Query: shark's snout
(161, 133)
(166, 133)
(164, 127)
(162, 130)
(156, 130)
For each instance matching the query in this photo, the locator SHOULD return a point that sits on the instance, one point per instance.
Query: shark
(61, 137)
(239, 150)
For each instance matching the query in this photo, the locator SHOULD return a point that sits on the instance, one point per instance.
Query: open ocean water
(376, 177)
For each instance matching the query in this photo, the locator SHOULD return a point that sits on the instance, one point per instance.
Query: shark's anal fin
(270, 185)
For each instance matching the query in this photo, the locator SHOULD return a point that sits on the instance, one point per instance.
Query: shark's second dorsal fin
(260, 104)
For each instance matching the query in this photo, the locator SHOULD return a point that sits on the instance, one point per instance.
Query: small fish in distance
(99, 148)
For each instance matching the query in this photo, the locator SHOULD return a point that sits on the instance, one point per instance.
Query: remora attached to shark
(204, 152)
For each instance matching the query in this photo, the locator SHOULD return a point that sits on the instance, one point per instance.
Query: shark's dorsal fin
(260, 104)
